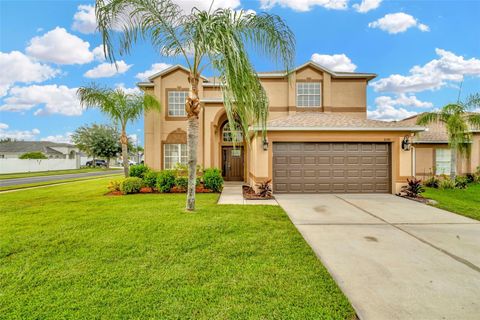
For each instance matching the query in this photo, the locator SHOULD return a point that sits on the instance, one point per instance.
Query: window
(173, 154)
(308, 94)
(228, 134)
(176, 103)
(442, 161)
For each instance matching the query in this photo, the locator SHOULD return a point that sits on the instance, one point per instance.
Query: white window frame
(176, 103)
(308, 96)
(178, 158)
(227, 134)
(443, 161)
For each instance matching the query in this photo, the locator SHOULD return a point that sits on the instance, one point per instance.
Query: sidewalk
(232, 194)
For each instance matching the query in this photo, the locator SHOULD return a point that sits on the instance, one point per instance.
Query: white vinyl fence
(32, 165)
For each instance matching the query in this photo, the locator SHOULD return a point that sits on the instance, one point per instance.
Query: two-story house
(319, 139)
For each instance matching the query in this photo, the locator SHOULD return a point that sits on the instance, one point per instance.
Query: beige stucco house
(431, 154)
(319, 139)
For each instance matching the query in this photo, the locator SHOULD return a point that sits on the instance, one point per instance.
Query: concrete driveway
(393, 258)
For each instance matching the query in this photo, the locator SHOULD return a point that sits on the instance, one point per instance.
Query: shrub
(181, 182)
(114, 185)
(165, 180)
(131, 185)
(446, 184)
(432, 182)
(265, 189)
(461, 182)
(413, 188)
(139, 170)
(33, 155)
(212, 179)
(470, 177)
(150, 179)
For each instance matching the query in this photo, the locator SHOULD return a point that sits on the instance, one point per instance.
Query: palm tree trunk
(124, 142)
(192, 107)
(453, 163)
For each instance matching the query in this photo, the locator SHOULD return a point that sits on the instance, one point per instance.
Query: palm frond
(474, 121)
(428, 118)
(473, 101)
(161, 22)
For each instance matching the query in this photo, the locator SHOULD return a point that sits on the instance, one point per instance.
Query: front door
(232, 163)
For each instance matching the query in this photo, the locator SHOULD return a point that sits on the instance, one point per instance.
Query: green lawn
(465, 202)
(70, 252)
(49, 173)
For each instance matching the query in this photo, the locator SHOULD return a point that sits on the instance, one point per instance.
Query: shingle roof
(32, 146)
(331, 122)
(435, 133)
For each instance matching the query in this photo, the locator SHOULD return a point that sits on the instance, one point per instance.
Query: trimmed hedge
(212, 179)
(131, 185)
(139, 170)
(165, 180)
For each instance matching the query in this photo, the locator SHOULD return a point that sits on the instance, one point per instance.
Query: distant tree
(33, 155)
(458, 122)
(7, 139)
(121, 107)
(98, 141)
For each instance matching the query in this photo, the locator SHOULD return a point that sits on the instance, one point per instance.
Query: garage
(331, 167)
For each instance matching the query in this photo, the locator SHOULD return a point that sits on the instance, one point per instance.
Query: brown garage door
(320, 167)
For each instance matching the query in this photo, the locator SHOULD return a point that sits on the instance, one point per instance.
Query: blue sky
(421, 50)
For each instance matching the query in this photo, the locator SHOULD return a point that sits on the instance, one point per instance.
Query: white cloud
(59, 46)
(155, 68)
(17, 134)
(134, 90)
(388, 108)
(367, 5)
(398, 22)
(335, 62)
(84, 20)
(433, 75)
(304, 5)
(389, 113)
(17, 67)
(59, 138)
(52, 99)
(106, 70)
(98, 53)
(402, 100)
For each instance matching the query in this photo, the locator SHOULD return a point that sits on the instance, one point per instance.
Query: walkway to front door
(232, 163)
(393, 258)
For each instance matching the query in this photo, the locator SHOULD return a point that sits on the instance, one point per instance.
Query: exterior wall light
(406, 144)
(265, 144)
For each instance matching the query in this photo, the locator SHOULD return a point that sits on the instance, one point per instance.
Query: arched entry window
(228, 135)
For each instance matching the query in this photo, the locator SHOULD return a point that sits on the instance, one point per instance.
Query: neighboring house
(52, 150)
(319, 139)
(432, 155)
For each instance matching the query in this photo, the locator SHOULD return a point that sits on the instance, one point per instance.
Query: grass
(49, 173)
(47, 183)
(465, 202)
(70, 252)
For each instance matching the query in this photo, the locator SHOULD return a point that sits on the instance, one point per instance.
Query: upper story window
(176, 103)
(228, 135)
(308, 94)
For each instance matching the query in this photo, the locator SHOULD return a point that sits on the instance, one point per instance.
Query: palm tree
(204, 39)
(120, 107)
(457, 121)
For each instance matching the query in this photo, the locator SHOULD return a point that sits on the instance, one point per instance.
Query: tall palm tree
(457, 121)
(120, 107)
(215, 39)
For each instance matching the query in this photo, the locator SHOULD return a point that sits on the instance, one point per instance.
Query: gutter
(411, 129)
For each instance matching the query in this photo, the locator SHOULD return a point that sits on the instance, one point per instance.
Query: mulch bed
(199, 189)
(249, 194)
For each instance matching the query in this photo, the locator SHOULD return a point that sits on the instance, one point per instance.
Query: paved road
(20, 181)
(393, 258)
